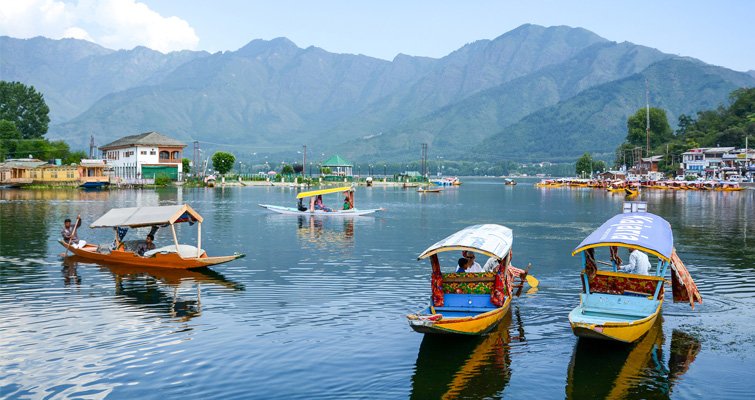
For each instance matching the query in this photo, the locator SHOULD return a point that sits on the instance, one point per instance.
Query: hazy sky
(720, 32)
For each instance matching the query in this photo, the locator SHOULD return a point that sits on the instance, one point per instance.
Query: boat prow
(616, 318)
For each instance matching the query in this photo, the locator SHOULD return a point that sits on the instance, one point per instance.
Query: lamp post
(385, 171)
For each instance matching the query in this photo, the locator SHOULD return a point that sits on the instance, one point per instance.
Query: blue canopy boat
(622, 306)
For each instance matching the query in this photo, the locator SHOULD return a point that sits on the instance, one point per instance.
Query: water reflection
(601, 369)
(450, 367)
(174, 292)
(324, 232)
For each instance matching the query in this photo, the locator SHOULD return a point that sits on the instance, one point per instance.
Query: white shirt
(638, 263)
(474, 268)
(490, 264)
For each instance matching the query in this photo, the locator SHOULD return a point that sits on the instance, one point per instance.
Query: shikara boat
(177, 255)
(509, 182)
(621, 306)
(470, 303)
(429, 190)
(301, 209)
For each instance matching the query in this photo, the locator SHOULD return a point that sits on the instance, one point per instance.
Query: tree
(25, 107)
(660, 131)
(74, 157)
(222, 162)
(186, 164)
(325, 170)
(287, 170)
(298, 168)
(9, 136)
(599, 166)
(584, 164)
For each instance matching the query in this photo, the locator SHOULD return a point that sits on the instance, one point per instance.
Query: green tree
(584, 164)
(660, 131)
(186, 163)
(287, 170)
(74, 157)
(9, 137)
(25, 107)
(325, 170)
(599, 166)
(222, 162)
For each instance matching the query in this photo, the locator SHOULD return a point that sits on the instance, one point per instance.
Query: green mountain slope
(453, 128)
(73, 74)
(595, 119)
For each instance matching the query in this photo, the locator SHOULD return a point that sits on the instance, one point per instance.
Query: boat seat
(465, 302)
(610, 304)
(468, 283)
(623, 284)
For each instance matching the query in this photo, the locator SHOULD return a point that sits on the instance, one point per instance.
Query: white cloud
(119, 24)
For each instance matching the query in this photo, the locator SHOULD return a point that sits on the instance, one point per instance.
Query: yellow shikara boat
(470, 303)
(623, 306)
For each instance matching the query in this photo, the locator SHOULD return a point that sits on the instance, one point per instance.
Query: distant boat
(509, 182)
(429, 190)
(94, 185)
(314, 209)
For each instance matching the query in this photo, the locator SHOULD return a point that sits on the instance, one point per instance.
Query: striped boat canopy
(489, 239)
(643, 231)
(135, 217)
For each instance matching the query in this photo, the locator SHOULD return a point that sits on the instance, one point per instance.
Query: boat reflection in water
(175, 292)
(325, 233)
(452, 366)
(600, 369)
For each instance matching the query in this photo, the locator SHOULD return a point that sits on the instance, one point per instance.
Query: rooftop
(144, 139)
(336, 161)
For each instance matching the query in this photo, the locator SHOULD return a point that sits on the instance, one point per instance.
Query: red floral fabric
(437, 286)
(618, 285)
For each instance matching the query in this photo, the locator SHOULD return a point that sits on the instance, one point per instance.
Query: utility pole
(424, 160)
(304, 162)
(92, 147)
(647, 115)
(196, 159)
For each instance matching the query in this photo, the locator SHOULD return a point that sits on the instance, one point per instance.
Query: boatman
(147, 245)
(638, 263)
(70, 235)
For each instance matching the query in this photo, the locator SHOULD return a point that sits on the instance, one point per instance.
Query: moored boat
(316, 206)
(470, 303)
(177, 255)
(622, 306)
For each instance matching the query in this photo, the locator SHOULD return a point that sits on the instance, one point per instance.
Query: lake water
(317, 308)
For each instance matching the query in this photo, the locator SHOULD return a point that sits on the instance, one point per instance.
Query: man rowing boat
(70, 235)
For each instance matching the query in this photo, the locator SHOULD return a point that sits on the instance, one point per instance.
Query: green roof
(336, 161)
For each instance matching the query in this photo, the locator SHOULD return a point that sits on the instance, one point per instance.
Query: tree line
(24, 120)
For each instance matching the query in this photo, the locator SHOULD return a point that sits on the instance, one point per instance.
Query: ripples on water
(316, 309)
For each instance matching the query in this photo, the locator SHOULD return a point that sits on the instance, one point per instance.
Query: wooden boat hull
(469, 325)
(335, 213)
(429, 190)
(170, 260)
(621, 331)
(94, 185)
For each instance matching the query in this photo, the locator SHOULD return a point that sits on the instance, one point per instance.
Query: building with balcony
(144, 157)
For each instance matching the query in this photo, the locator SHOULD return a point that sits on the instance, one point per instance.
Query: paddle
(70, 238)
(531, 280)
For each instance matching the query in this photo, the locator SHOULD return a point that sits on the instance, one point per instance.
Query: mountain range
(534, 93)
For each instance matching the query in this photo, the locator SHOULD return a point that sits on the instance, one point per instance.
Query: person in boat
(320, 206)
(490, 265)
(473, 265)
(463, 265)
(638, 263)
(70, 235)
(347, 203)
(149, 244)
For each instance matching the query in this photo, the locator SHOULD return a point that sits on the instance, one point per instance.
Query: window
(175, 155)
(54, 174)
(164, 155)
(143, 152)
(152, 152)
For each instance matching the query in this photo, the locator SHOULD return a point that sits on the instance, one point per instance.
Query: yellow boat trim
(324, 191)
(611, 244)
(456, 248)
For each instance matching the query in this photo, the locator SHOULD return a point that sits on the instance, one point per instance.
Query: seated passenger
(347, 203)
(638, 263)
(463, 265)
(490, 265)
(474, 266)
(320, 206)
(146, 246)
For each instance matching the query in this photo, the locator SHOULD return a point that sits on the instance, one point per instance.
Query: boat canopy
(135, 217)
(643, 231)
(324, 191)
(489, 239)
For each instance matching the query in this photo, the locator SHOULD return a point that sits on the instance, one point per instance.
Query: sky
(719, 33)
